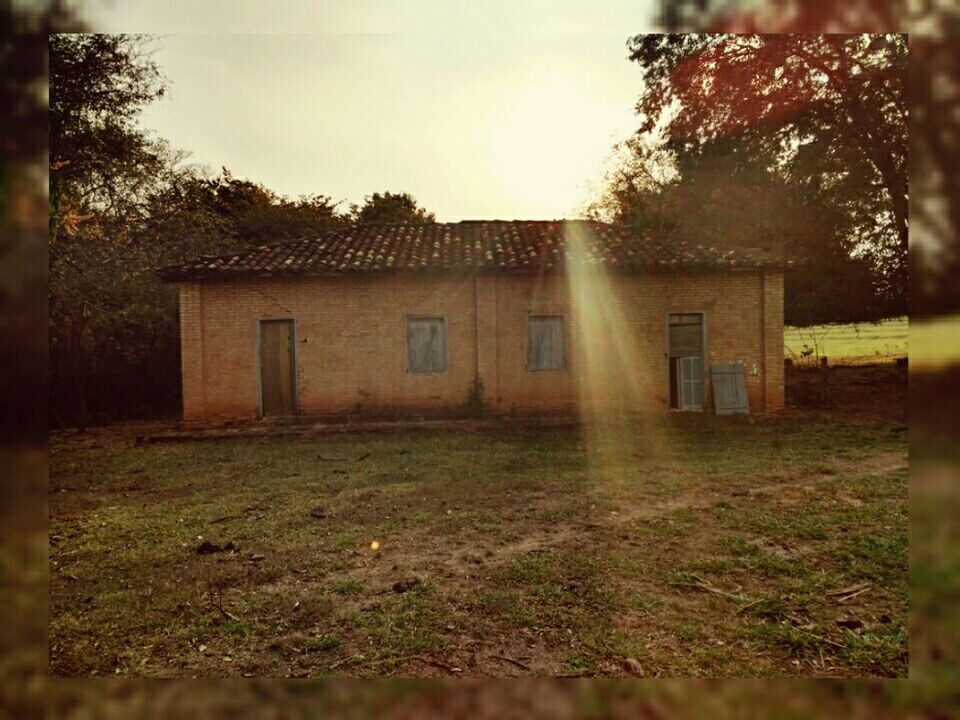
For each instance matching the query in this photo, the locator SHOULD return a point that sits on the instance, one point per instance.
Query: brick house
(548, 316)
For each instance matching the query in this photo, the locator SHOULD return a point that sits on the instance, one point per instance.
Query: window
(426, 345)
(545, 342)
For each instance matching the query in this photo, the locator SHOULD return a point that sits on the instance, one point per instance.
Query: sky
(488, 110)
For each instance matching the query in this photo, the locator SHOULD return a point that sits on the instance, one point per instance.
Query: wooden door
(278, 370)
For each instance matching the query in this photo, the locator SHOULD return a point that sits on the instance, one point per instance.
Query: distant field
(856, 343)
(935, 343)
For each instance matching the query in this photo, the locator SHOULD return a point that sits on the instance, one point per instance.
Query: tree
(100, 160)
(390, 207)
(103, 171)
(932, 102)
(258, 215)
(792, 130)
(723, 197)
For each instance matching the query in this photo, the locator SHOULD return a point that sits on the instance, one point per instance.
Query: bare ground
(699, 546)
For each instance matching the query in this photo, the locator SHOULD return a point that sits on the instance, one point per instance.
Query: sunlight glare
(617, 395)
(541, 149)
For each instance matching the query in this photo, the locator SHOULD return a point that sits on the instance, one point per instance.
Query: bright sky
(481, 110)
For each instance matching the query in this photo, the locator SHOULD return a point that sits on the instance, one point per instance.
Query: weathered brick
(351, 338)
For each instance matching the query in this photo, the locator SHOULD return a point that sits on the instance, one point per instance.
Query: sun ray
(617, 382)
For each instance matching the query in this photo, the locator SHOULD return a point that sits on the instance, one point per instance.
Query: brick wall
(351, 339)
(772, 300)
(191, 351)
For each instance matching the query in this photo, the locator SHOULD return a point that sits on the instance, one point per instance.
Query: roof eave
(179, 274)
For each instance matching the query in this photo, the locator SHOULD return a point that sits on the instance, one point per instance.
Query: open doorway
(686, 349)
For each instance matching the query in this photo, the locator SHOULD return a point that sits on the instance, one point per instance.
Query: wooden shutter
(729, 388)
(277, 368)
(426, 345)
(545, 342)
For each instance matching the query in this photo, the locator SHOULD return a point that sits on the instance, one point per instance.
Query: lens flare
(620, 368)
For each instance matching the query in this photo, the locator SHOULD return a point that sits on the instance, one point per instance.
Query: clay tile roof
(484, 245)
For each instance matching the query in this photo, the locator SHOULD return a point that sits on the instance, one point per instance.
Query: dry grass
(849, 344)
(519, 551)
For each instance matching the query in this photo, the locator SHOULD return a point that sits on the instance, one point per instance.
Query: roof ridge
(468, 245)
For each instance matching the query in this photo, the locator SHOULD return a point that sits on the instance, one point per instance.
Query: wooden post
(824, 380)
(790, 394)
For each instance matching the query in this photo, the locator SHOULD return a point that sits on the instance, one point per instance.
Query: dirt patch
(708, 552)
(865, 391)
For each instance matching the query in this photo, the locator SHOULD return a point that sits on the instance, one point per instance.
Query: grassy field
(715, 547)
(935, 342)
(853, 344)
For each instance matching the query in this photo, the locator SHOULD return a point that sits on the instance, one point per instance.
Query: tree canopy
(100, 160)
(795, 137)
(390, 207)
(933, 104)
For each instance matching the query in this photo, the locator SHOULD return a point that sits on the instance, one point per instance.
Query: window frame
(446, 353)
(563, 341)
